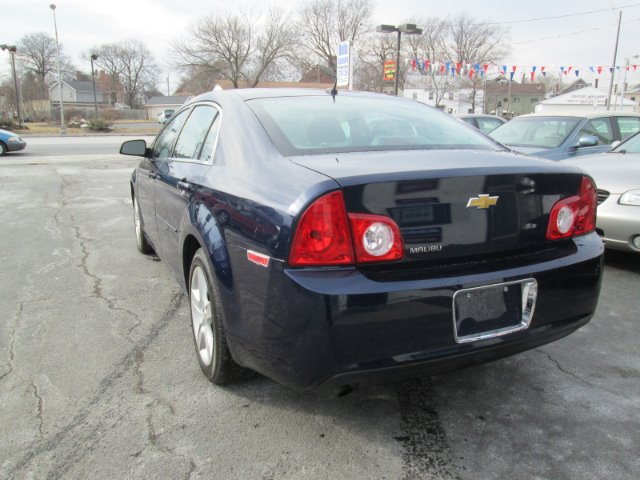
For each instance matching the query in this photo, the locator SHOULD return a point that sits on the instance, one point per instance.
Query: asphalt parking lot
(98, 376)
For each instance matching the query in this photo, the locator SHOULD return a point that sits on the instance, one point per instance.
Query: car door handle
(184, 187)
(153, 175)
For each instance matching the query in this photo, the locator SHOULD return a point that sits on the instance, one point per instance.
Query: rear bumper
(341, 328)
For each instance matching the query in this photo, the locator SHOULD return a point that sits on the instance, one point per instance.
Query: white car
(165, 115)
(617, 176)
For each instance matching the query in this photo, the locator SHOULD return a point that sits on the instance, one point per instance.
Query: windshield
(632, 145)
(538, 132)
(318, 124)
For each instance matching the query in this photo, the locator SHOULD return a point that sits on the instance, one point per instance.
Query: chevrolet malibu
(344, 238)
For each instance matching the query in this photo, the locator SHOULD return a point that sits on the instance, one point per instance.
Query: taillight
(377, 238)
(575, 215)
(324, 236)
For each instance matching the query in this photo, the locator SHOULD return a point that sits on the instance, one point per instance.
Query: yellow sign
(482, 201)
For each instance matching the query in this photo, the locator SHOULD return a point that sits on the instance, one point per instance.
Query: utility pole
(615, 56)
(12, 52)
(63, 127)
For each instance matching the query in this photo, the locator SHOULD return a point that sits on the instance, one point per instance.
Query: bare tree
(36, 53)
(241, 47)
(130, 67)
(323, 24)
(373, 51)
(471, 41)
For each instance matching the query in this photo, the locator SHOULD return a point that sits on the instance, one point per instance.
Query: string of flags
(483, 69)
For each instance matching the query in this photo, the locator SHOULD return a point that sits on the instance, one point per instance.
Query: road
(73, 146)
(98, 375)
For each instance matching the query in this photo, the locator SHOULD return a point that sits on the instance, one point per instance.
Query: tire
(207, 326)
(3, 149)
(141, 241)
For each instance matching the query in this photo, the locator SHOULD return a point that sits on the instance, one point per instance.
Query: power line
(570, 34)
(539, 19)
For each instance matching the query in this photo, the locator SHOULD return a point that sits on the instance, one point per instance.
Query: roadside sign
(344, 64)
(389, 72)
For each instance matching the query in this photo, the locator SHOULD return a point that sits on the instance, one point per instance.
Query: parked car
(10, 142)
(617, 175)
(558, 136)
(372, 252)
(483, 122)
(121, 106)
(165, 115)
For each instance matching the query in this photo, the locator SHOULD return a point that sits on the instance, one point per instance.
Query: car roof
(254, 93)
(597, 114)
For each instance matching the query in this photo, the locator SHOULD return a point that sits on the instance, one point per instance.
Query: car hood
(614, 172)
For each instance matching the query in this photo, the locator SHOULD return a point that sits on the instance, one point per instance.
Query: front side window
(487, 125)
(317, 124)
(194, 132)
(164, 142)
(601, 128)
(537, 132)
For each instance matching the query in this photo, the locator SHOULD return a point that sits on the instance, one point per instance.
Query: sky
(576, 38)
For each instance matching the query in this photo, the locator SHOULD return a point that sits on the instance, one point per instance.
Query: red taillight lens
(574, 215)
(377, 238)
(322, 236)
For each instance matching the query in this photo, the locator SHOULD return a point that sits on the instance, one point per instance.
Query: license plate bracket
(494, 310)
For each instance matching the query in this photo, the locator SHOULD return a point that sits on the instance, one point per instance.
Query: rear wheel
(141, 241)
(206, 323)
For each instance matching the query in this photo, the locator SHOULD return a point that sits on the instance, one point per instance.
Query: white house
(588, 99)
(76, 93)
(156, 105)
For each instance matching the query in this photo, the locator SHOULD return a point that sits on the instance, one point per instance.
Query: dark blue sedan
(351, 238)
(10, 142)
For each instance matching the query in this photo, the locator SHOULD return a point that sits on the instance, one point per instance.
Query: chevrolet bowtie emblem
(482, 201)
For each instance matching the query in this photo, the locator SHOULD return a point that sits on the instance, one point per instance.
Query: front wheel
(3, 149)
(206, 322)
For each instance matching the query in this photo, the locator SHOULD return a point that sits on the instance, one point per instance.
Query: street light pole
(93, 79)
(12, 52)
(409, 29)
(63, 128)
(615, 56)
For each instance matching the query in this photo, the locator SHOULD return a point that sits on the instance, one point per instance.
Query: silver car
(617, 176)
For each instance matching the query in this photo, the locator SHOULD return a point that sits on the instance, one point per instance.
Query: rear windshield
(318, 124)
(539, 132)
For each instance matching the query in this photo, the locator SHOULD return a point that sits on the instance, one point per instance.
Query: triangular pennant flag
(511, 74)
(533, 74)
(485, 67)
(599, 70)
(610, 69)
(413, 64)
(562, 70)
(504, 69)
(513, 69)
(577, 72)
(635, 67)
(471, 72)
(591, 69)
(569, 69)
(458, 67)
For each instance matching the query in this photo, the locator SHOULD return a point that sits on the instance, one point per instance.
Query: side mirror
(587, 141)
(137, 148)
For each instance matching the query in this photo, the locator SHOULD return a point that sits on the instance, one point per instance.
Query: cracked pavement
(98, 375)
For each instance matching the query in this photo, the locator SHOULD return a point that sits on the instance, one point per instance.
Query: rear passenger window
(208, 149)
(601, 128)
(193, 134)
(628, 126)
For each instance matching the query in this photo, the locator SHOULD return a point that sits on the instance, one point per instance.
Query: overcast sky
(571, 40)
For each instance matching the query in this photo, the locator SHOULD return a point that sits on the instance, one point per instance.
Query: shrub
(99, 126)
